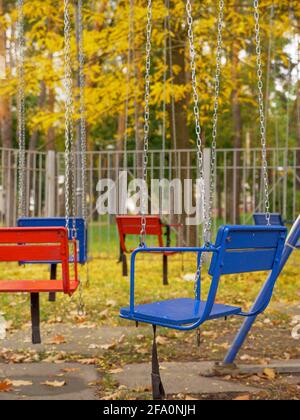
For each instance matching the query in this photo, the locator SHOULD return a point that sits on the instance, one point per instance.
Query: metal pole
(50, 184)
(239, 340)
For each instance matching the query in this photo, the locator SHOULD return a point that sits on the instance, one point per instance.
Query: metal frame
(218, 253)
(241, 336)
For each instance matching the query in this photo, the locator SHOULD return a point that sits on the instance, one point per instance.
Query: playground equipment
(44, 244)
(290, 246)
(131, 225)
(238, 249)
(276, 220)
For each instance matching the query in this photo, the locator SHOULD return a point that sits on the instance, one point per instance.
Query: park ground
(101, 356)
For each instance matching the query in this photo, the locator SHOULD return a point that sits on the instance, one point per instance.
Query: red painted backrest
(132, 225)
(34, 244)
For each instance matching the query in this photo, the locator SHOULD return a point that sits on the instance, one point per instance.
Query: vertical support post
(53, 276)
(165, 270)
(50, 183)
(35, 318)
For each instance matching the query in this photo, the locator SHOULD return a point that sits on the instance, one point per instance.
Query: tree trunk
(33, 141)
(51, 130)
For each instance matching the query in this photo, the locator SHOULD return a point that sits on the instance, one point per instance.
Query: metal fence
(239, 189)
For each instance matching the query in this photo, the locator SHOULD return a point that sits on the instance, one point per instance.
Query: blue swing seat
(238, 249)
(178, 311)
(276, 220)
(81, 232)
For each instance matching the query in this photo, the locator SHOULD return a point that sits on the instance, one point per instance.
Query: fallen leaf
(108, 346)
(111, 303)
(59, 339)
(5, 386)
(117, 370)
(88, 361)
(270, 373)
(93, 346)
(70, 370)
(54, 384)
(162, 340)
(190, 398)
(104, 314)
(113, 397)
(243, 398)
(18, 384)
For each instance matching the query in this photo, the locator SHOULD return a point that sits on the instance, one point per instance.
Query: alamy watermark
(174, 196)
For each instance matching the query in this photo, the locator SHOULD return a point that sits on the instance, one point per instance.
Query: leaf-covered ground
(108, 290)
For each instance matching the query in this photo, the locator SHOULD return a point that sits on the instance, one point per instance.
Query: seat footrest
(182, 311)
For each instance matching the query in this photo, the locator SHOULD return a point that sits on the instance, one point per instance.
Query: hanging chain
(144, 195)
(128, 77)
(164, 125)
(198, 130)
(67, 82)
(262, 112)
(70, 164)
(21, 112)
(215, 121)
(83, 137)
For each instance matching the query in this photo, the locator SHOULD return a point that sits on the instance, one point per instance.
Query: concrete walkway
(195, 377)
(75, 381)
(49, 381)
(82, 340)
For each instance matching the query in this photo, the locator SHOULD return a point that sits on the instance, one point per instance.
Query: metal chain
(21, 111)
(262, 112)
(144, 197)
(67, 108)
(83, 139)
(128, 78)
(83, 136)
(215, 121)
(198, 130)
(70, 164)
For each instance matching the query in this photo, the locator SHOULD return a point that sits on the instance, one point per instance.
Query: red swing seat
(38, 244)
(131, 225)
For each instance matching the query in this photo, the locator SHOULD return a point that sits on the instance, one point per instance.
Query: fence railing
(239, 189)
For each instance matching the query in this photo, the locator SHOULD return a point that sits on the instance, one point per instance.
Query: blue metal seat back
(245, 249)
(275, 220)
(81, 229)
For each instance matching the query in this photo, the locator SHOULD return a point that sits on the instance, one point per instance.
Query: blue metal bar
(291, 244)
(211, 295)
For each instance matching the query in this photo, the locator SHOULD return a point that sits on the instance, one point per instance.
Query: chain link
(83, 136)
(144, 196)
(198, 129)
(70, 153)
(130, 62)
(213, 174)
(83, 139)
(262, 112)
(21, 110)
